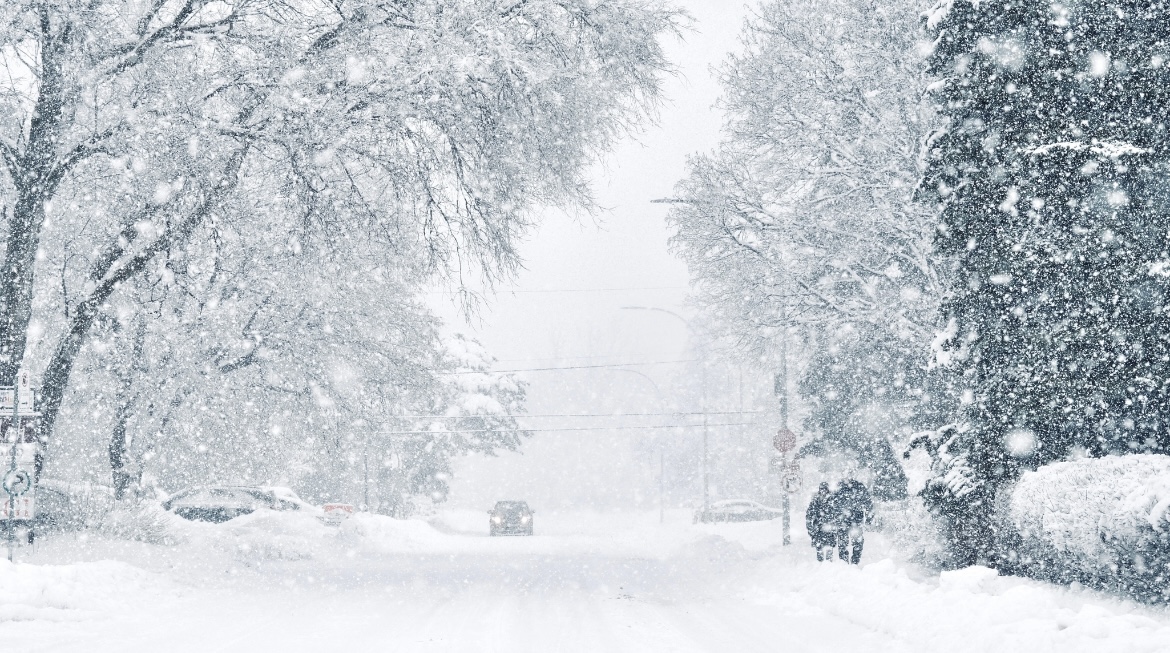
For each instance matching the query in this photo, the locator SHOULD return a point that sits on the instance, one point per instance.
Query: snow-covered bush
(1101, 521)
(908, 526)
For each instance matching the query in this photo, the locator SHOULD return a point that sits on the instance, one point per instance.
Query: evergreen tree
(1051, 175)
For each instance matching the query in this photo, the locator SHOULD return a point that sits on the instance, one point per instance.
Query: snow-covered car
(510, 518)
(219, 504)
(735, 510)
(65, 506)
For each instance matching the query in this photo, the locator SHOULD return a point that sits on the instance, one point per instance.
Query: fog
(565, 309)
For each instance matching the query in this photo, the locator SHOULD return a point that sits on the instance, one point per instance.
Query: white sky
(565, 307)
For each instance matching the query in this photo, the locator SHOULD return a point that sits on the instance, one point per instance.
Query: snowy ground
(586, 582)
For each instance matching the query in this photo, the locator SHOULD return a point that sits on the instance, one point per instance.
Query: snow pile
(57, 593)
(889, 606)
(1099, 520)
(386, 534)
(273, 535)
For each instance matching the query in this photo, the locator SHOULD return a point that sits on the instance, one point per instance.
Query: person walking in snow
(821, 521)
(855, 510)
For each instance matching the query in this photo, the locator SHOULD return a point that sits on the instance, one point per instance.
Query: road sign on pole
(17, 482)
(793, 480)
(784, 440)
(16, 433)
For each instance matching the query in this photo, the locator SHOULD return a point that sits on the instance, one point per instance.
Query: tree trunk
(36, 173)
(115, 269)
(124, 471)
(16, 284)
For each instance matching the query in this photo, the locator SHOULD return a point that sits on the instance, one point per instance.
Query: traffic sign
(24, 508)
(793, 481)
(335, 513)
(17, 482)
(784, 440)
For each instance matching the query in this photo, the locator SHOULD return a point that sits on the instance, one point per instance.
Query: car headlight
(496, 520)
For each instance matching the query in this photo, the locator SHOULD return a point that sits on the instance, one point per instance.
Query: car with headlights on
(510, 518)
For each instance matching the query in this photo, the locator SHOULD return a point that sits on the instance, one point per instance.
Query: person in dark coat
(855, 508)
(821, 521)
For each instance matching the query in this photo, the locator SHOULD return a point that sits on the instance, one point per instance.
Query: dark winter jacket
(854, 503)
(821, 516)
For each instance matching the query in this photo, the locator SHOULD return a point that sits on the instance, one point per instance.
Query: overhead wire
(583, 428)
(524, 415)
(562, 290)
(575, 367)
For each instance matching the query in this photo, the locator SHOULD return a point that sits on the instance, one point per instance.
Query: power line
(524, 415)
(581, 428)
(565, 290)
(557, 358)
(575, 367)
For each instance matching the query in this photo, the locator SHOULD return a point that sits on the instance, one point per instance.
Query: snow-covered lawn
(586, 582)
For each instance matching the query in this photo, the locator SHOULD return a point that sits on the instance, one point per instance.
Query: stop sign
(784, 441)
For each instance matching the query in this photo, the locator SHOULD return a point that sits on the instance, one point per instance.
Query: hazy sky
(564, 310)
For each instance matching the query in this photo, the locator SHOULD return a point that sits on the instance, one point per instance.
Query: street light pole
(703, 371)
(661, 451)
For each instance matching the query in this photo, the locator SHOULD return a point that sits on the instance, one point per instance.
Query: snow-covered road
(587, 582)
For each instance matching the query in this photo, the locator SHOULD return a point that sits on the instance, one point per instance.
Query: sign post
(785, 441)
(19, 481)
(10, 488)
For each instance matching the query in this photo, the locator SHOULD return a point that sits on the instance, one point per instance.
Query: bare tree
(139, 129)
(802, 226)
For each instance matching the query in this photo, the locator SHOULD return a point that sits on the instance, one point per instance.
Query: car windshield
(511, 506)
(216, 497)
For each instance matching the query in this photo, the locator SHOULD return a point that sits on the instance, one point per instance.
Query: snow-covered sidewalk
(587, 582)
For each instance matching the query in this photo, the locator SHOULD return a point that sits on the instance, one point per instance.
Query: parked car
(510, 518)
(736, 510)
(219, 504)
(65, 506)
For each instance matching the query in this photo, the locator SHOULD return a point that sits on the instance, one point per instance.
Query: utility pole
(703, 369)
(706, 444)
(782, 387)
(661, 485)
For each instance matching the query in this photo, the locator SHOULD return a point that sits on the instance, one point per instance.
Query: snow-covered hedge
(1103, 521)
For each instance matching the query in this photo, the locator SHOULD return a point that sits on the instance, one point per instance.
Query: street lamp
(661, 454)
(703, 369)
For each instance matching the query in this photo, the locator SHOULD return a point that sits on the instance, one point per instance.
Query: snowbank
(76, 592)
(1103, 521)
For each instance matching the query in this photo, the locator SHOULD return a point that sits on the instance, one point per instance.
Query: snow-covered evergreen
(1050, 176)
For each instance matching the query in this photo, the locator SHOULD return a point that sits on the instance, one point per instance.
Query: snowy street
(293, 291)
(586, 582)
